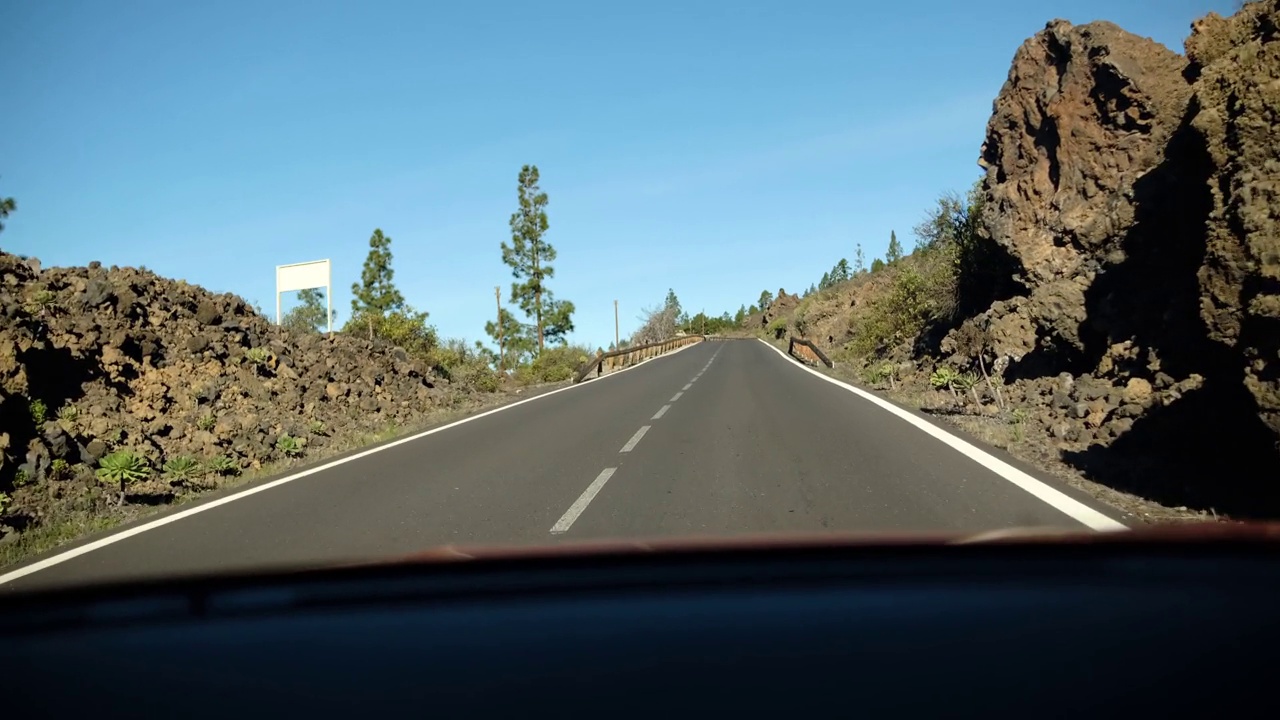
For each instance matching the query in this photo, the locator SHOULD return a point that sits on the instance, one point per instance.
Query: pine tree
(766, 297)
(859, 261)
(894, 253)
(530, 256)
(877, 265)
(672, 303)
(740, 315)
(7, 205)
(841, 272)
(825, 282)
(376, 295)
(517, 341)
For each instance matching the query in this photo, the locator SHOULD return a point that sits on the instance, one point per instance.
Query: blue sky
(718, 148)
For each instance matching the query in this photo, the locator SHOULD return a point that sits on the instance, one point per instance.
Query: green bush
(944, 378)
(257, 355)
(122, 468)
(778, 328)
(315, 427)
(182, 467)
(556, 364)
(206, 422)
(224, 465)
(39, 411)
(5, 501)
(22, 477)
(59, 469)
(68, 413)
(289, 445)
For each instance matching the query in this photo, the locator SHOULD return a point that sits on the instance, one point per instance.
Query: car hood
(1180, 533)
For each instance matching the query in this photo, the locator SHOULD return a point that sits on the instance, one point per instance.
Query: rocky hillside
(1130, 199)
(97, 360)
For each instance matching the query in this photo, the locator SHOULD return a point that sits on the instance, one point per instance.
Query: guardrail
(807, 352)
(618, 359)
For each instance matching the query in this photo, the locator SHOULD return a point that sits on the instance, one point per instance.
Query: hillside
(178, 390)
(1108, 298)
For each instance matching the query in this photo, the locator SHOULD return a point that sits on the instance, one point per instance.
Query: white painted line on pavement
(75, 552)
(661, 411)
(1061, 502)
(687, 386)
(676, 396)
(635, 439)
(566, 521)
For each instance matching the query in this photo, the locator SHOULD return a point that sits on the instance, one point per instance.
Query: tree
(530, 256)
(739, 316)
(309, 315)
(766, 298)
(841, 271)
(672, 302)
(558, 320)
(859, 261)
(753, 310)
(375, 295)
(517, 341)
(825, 282)
(894, 253)
(877, 265)
(7, 205)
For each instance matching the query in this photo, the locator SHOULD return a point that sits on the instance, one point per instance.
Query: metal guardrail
(817, 351)
(617, 359)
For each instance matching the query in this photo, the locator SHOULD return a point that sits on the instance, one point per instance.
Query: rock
(94, 451)
(96, 292)
(1137, 391)
(207, 314)
(197, 344)
(1236, 66)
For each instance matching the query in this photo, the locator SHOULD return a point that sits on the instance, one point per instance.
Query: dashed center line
(687, 386)
(635, 439)
(566, 521)
(662, 411)
(676, 396)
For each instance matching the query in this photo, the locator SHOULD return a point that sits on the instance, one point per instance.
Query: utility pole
(497, 295)
(615, 325)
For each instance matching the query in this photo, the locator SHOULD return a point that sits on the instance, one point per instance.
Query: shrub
(944, 377)
(206, 422)
(224, 465)
(315, 427)
(39, 411)
(122, 468)
(5, 500)
(68, 413)
(778, 328)
(289, 445)
(556, 364)
(59, 469)
(257, 355)
(182, 467)
(22, 477)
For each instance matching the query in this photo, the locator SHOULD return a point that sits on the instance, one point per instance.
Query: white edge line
(1061, 502)
(635, 439)
(661, 411)
(126, 534)
(566, 521)
(677, 396)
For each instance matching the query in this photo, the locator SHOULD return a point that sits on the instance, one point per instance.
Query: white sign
(305, 276)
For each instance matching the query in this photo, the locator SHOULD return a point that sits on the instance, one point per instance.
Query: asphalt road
(719, 438)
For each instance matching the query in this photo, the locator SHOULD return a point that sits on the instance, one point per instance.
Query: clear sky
(718, 148)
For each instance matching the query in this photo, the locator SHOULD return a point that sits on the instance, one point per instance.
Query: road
(722, 437)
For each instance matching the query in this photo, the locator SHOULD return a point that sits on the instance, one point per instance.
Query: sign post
(306, 276)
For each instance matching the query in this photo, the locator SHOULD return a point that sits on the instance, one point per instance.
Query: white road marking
(635, 439)
(661, 411)
(687, 386)
(1061, 502)
(160, 522)
(676, 396)
(566, 521)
